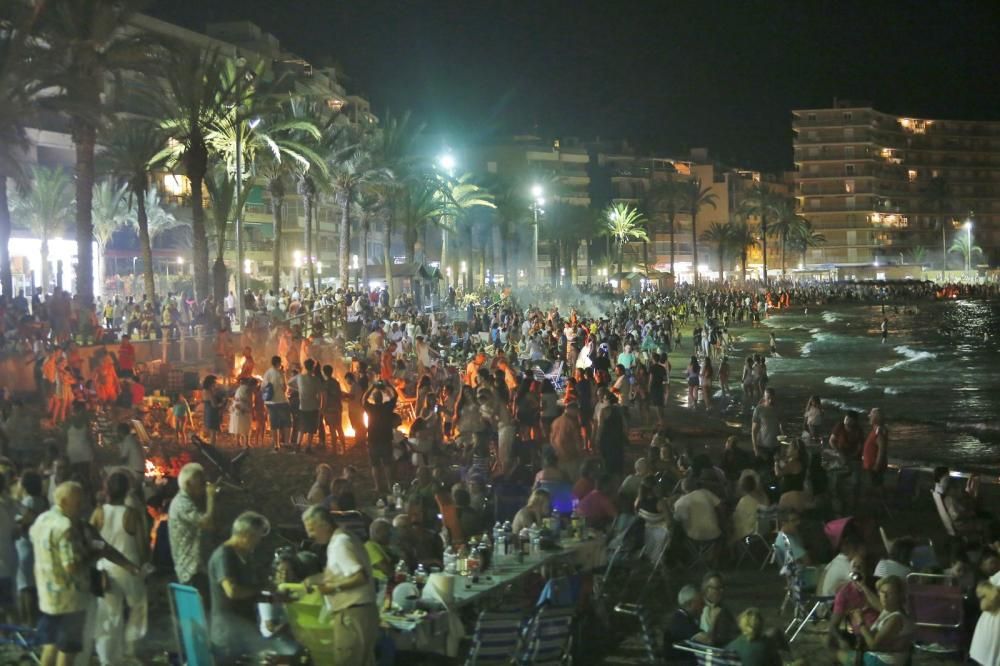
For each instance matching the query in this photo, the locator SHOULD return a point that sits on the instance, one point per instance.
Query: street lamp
(537, 192)
(968, 245)
(447, 163)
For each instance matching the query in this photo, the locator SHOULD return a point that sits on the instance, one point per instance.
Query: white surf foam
(909, 355)
(856, 384)
(831, 317)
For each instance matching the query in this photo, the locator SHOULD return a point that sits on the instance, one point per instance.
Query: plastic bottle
(450, 561)
(402, 572)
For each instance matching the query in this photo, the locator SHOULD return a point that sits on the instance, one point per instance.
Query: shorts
(308, 421)
(65, 631)
(280, 415)
(380, 454)
(693, 381)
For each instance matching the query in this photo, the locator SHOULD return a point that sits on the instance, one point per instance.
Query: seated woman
(550, 471)
(897, 561)
(589, 471)
(755, 646)
(598, 506)
(745, 514)
(318, 492)
(717, 621)
(889, 639)
(532, 513)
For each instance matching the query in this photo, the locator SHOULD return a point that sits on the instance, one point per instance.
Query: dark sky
(666, 75)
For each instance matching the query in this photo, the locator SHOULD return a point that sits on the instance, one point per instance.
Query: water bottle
(397, 496)
(450, 561)
(380, 507)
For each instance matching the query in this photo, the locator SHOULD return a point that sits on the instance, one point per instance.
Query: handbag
(268, 392)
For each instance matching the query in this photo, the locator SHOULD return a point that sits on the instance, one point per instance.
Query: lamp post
(968, 246)
(447, 163)
(536, 193)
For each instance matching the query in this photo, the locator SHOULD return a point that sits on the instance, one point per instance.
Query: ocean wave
(815, 330)
(831, 317)
(856, 384)
(843, 406)
(909, 355)
(990, 427)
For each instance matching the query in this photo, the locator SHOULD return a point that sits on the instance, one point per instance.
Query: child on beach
(180, 412)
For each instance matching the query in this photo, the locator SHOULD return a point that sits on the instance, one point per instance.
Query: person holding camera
(190, 516)
(380, 404)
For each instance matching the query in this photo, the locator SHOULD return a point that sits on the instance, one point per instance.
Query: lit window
(912, 175)
(849, 186)
(176, 185)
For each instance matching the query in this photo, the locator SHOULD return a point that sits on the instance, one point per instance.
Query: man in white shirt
(347, 586)
(276, 400)
(132, 456)
(696, 511)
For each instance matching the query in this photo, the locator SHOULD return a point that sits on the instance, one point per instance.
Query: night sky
(665, 75)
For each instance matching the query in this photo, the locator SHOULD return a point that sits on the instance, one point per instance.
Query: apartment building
(564, 165)
(626, 176)
(862, 178)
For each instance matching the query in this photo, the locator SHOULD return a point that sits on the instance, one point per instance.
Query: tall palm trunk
(46, 275)
(621, 256)
(671, 221)
(310, 264)
(763, 240)
(444, 258)
(743, 264)
(277, 189)
(344, 251)
(784, 242)
(505, 262)
(722, 263)
(6, 276)
(410, 239)
(387, 252)
(145, 245)
(196, 165)
(366, 225)
(694, 246)
(85, 139)
(645, 257)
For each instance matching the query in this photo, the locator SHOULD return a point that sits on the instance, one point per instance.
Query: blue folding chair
(496, 638)
(190, 625)
(706, 655)
(548, 638)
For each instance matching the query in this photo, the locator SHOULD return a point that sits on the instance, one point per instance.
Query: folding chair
(706, 655)
(299, 502)
(21, 638)
(936, 605)
(190, 625)
(647, 630)
(496, 637)
(763, 536)
(805, 602)
(548, 638)
(656, 543)
(698, 551)
(973, 534)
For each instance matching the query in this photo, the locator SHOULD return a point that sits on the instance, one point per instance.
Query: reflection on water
(937, 378)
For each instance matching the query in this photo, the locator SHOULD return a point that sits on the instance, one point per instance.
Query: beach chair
(496, 638)
(936, 605)
(706, 655)
(973, 534)
(548, 638)
(656, 543)
(299, 502)
(190, 625)
(22, 639)
(647, 630)
(761, 538)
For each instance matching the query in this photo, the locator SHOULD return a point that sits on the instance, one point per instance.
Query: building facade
(866, 180)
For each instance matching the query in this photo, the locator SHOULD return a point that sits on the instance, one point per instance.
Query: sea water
(936, 378)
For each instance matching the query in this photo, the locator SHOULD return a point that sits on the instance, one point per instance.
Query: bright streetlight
(968, 246)
(447, 162)
(537, 192)
(180, 261)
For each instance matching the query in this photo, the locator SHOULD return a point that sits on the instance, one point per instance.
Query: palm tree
(394, 149)
(458, 198)
(45, 208)
(132, 150)
(963, 245)
(111, 214)
(624, 224)
(199, 94)
(513, 209)
(804, 237)
(87, 40)
(369, 204)
(787, 224)
(918, 254)
(18, 86)
(351, 168)
(761, 202)
(695, 198)
(668, 196)
(419, 203)
(743, 240)
(937, 196)
(722, 236)
(159, 219)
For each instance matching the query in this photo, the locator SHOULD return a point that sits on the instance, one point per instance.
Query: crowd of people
(447, 407)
